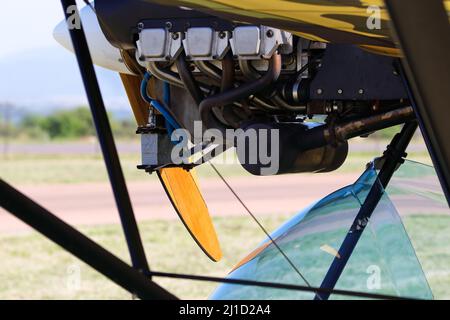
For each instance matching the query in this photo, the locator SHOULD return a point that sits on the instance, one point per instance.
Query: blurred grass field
(51, 169)
(34, 268)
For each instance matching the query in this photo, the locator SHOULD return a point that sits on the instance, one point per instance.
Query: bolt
(319, 91)
(140, 26)
(168, 25)
(361, 91)
(339, 91)
(222, 34)
(269, 33)
(175, 36)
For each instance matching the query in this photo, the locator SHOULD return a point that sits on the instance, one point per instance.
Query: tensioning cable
(260, 225)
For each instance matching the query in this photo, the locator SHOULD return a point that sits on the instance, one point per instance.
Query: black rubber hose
(188, 79)
(241, 92)
(227, 81)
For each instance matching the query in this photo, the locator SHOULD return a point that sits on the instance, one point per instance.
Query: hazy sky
(28, 24)
(27, 46)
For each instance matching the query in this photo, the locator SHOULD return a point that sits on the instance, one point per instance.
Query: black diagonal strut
(105, 137)
(393, 157)
(79, 245)
(423, 32)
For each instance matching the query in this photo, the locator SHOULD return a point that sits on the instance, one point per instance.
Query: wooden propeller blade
(180, 185)
(186, 198)
(132, 85)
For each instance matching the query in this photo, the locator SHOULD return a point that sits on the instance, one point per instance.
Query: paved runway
(93, 203)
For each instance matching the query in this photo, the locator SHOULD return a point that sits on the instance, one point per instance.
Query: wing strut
(106, 139)
(393, 156)
(423, 32)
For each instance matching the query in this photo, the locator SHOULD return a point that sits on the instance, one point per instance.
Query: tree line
(63, 124)
(77, 123)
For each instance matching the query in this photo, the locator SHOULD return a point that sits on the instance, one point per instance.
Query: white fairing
(102, 52)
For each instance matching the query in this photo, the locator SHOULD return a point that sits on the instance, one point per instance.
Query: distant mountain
(46, 79)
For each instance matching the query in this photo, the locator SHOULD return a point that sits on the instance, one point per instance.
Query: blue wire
(166, 98)
(166, 93)
(171, 123)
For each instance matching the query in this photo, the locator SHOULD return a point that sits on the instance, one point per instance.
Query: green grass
(34, 268)
(430, 236)
(43, 169)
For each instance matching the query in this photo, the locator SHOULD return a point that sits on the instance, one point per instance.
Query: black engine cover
(350, 73)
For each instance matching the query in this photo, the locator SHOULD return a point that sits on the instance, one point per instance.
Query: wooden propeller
(180, 185)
